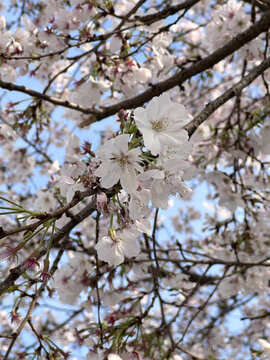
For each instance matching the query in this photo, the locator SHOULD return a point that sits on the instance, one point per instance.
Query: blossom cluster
(149, 168)
(229, 20)
(80, 222)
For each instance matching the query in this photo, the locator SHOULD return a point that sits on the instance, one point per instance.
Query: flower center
(123, 159)
(115, 241)
(160, 124)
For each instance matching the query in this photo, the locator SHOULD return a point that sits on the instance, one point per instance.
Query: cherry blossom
(165, 182)
(134, 180)
(119, 163)
(115, 247)
(161, 123)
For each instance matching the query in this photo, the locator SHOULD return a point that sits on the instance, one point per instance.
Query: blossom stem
(10, 212)
(135, 142)
(33, 234)
(147, 160)
(43, 236)
(9, 208)
(11, 202)
(51, 239)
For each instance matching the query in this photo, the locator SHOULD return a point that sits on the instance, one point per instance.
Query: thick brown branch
(236, 43)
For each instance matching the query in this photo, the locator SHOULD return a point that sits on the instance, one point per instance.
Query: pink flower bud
(44, 276)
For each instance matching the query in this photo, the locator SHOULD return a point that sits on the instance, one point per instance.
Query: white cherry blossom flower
(73, 169)
(20, 40)
(73, 148)
(68, 187)
(119, 163)
(113, 249)
(161, 123)
(50, 39)
(5, 40)
(89, 92)
(165, 182)
(111, 298)
(54, 168)
(45, 201)
(7, 134)
(84, 11)
(143, 226)
(228, 199)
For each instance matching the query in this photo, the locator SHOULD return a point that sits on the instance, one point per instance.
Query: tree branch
(79, 195)
(236, 43)
(16, 272)
(168, 11)
(50, 99)
(211, 107)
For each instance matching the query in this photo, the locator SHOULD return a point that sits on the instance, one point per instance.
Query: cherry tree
(135, 151)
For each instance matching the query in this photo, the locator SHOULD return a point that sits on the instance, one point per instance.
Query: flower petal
(129, 180)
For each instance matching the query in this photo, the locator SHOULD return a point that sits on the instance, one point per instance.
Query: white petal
(150, 138)
(144, 226)
(151, 174)
(178, 113)
(70, 194)
(176, 165)
(165, 104)
(110, 179)
(129, 180)
(141, 119)
(102, 169)
(109, 251)
(134, 210)
(66, 180)
(114, 357)
(157, 105)
(133, 154)
(109, 173)
(265, 345)
(130, 247)
(159, 195)
(121, 143)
